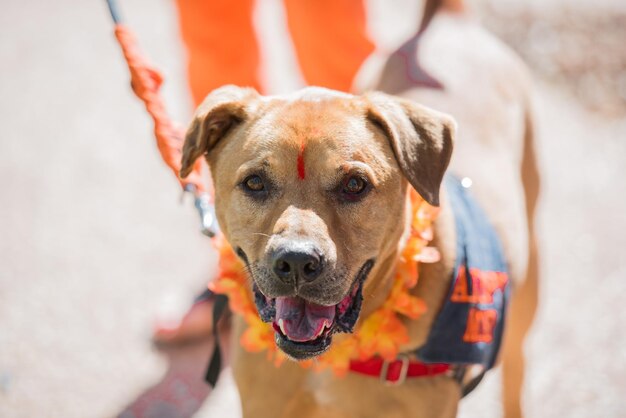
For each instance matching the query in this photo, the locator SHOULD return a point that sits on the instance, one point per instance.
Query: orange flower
(258, 337)
(427, 255)
(381, 333)
(238, 296)
(409, 306)
(338, 356)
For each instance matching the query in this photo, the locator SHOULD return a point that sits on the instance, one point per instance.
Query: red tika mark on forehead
(300, 163)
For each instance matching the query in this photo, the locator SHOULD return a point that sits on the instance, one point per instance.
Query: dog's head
(310, 191)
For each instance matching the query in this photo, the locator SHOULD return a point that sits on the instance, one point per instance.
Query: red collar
(395, 372)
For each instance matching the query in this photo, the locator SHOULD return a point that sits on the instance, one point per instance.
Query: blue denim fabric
(478, 247)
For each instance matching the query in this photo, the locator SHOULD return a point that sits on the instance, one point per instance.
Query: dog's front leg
(265, 389)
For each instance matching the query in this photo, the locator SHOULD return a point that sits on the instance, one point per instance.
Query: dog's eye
(354, 185)
(354, 188)
(254, 184)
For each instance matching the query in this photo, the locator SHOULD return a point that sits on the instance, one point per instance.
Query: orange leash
(146, 82)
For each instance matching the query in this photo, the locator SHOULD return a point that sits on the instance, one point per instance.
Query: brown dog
(311, 193)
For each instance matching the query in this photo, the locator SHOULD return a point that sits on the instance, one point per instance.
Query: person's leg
(221, 44)
(330, 39)
(196, 324)
(222, 49)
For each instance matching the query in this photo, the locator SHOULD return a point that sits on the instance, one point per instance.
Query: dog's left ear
(221, 110)
(421, 139)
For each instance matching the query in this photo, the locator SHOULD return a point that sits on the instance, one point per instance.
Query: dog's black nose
(297, 264)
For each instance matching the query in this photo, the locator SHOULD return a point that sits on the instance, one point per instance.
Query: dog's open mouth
(304, 329)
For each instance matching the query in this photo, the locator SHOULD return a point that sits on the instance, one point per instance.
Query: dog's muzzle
(304, 329)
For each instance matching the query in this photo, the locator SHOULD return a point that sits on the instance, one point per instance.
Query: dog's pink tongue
(302, 320)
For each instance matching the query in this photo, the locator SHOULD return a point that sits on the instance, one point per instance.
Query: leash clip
(404, 370)
(206, 210)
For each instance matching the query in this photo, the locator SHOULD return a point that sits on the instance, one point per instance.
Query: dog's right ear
(222, 110)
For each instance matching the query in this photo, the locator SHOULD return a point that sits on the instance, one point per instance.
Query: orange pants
(329, 37)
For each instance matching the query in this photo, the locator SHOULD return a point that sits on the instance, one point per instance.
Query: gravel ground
(95, 245)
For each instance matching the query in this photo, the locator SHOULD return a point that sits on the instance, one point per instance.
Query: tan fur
(488, 90)
(392, 142)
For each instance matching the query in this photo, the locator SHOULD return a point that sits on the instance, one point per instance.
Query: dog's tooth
(319, 332)
(281, 325)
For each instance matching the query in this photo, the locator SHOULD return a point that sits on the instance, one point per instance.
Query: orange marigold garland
(381, 333)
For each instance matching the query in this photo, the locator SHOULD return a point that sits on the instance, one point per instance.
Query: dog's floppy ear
(219, 112)
(421, 139)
